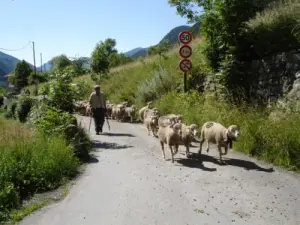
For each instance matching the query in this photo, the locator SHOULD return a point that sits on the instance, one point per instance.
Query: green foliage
(161, 49)
(60, 62)
(158, 84)
(151, 51)
(11, 109)
(100, 56)
(272, 30)
(38, 77)
(30, 163)
(51, 121)
(11, 79)
(21, 74)
(259, 133)
(24, 104)
(77, 66)
(61, 92)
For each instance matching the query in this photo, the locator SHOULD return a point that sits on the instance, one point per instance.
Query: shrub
(61, 93)
(275, 141)
(11, 109)
(153, 88)
(51, 121)
(30, 162)
(23, 107)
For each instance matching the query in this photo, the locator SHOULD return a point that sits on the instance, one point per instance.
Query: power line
(4, 49)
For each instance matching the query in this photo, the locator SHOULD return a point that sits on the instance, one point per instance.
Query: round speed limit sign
(185, 37)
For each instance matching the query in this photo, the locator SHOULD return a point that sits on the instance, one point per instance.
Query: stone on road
(131, 184)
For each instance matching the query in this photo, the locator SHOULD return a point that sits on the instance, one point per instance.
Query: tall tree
(60, 62)
(22, 72)
(100, 56)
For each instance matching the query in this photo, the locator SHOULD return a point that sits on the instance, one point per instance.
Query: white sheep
(129, 111)
(141, 111)
(188, 133)
(151, 123)
(216, 133)
(168, 119)
(170, 135)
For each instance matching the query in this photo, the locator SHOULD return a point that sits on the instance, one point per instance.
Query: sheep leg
(187, 147)
(207, 146)
(220, 154)
(176, 149)
(172, 154)
(148, 128)
(200, 148)
(163, 149)
(226, 150)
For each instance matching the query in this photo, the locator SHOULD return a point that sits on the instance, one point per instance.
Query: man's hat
(96, 86)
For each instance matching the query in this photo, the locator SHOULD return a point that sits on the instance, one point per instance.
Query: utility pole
(36, 87)
(41, 62)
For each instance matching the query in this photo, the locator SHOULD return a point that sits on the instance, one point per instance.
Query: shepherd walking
(97, 103)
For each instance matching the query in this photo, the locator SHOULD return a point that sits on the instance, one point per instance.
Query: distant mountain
(172, 37)
(7, 65)
(133, 51)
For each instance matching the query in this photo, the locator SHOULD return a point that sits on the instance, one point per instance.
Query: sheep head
(177, 128)
(233, 132)
(194, 129)
(178, 118)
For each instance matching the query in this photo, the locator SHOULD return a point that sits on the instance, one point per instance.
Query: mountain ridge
(8, 62)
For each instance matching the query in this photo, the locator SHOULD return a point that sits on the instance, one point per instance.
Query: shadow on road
(195, 163)
(92, 159)
(248, 165)
(117, 134)
(109, 145)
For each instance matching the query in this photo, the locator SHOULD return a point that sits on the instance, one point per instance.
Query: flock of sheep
(170, 129)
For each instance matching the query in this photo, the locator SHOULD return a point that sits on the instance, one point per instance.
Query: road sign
(185, 37)
(185, 51)
(185, 65)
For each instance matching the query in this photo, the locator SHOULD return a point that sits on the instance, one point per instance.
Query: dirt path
(131, 184)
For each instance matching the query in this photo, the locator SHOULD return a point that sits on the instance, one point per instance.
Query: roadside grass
(270, 139)
(30, 163)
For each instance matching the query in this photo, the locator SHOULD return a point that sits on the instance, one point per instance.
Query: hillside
(7, 64)
(171, 37)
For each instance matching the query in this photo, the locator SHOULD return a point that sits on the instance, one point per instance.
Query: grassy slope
(125, 79)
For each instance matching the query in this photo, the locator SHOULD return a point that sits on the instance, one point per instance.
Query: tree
(60, 62)
(100, 56)
(151, 50)
(22, 72)
(77, 65)
(162, 48)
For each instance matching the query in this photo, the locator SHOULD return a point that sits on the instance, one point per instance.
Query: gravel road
(129, 183)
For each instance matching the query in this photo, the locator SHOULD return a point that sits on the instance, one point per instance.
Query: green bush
(275, 141)
(157, 85)
(11, 109)
(30, 163)
(51, 121)
(23, 107)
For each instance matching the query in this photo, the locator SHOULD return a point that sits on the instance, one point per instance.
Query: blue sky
(74, 27)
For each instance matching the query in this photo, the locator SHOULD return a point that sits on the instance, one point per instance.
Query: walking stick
(90, 124)
(107, 123)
